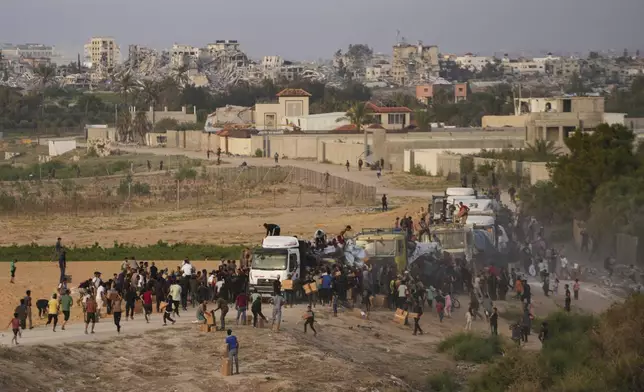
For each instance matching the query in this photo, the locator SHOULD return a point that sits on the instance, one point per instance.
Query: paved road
(366, 177)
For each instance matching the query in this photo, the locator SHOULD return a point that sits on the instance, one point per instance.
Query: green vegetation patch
(472, 347)
(119, 251)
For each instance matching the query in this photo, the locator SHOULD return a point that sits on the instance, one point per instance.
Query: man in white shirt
(175, 293)
(187, 268)
(402, 295)
(96, 280)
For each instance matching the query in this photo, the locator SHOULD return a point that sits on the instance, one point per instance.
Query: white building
(222, 44)
(29, 50)
(272, 62)
(377, 72)
(549, 58)
(317, 122)
(525, 67)
(473, 63)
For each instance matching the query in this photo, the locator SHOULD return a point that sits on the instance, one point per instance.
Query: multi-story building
(272, 62)
(183, 54)
(102, 52)
(412, 63)
(564, 67)
(30, 50)
(377, 72)
(472, 62)
(222, 44)
(523, 66)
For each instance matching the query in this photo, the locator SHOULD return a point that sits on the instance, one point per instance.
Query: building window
(293, 108)
(396, 118)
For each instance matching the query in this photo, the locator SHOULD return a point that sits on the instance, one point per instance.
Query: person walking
(347, 165)
(543, 333)
(360, 163)
(130, 301)
(117, 309)
(309, 319)
(53, 307)
(28, 304)
(468, 319)
(167, 312)
(241, 304)
(278, 302)
(277, 157)
(90, 312)
(494, 321)
(439, 310)
(12, 272)
(222, 305)
(175, 294)
(147, 303)
(15, 327)
(418, 309)
(233, 351)
(66, 302)
(256, 307)
(567, 299)
(575, 289)
(384, 203)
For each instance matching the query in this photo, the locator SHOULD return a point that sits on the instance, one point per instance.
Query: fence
(224, 188)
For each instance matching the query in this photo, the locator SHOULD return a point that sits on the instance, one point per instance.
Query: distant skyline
(303, 30)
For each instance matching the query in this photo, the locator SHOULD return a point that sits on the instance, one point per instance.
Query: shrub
(418, 170)
(442, 382)
(186, 173)
(259, 153)
(583, 353)
(471, 347)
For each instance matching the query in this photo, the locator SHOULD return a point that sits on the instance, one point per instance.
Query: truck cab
(279, 256)
(455, 239)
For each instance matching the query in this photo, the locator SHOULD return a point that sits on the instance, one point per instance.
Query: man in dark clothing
(384, 202)
(360, 163)
(62, 264)
(543, 333)
(418, 309)
(527, 296)
(494, 321)
(153, 271)
(525, 324)
(309, 319)
(277, 286)
(512, 191)
(567, 299)
(272, 229)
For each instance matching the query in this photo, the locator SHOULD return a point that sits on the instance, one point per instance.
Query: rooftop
(387, 109)
(293, 92)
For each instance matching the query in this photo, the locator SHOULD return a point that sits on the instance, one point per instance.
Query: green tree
(125, 85)
(423, 120)
(358, 115)
(594, 158)
(124, 126)
(140, 126)
(542, 150)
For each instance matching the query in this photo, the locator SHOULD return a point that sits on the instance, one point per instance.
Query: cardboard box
(138, 307)
(225, 367)
(204, 328)
(399, 319)
(400, 312)
(224, 351)
(313, 287)
(287, 284)
(210, 320)
(379, 300)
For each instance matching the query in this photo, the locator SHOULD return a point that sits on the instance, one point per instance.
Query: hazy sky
(309, 29)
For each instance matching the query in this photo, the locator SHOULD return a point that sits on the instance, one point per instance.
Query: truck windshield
(451, 239)
(378, 247)
(270, 260)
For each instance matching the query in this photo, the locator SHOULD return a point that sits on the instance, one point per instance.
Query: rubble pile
(102, 147)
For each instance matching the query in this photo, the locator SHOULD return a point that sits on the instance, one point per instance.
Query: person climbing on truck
(272, 229)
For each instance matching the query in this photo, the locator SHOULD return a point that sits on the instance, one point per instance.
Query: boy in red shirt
(147, 304)
(440, 309)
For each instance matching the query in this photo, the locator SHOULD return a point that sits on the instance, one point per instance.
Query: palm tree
(124, 126)
(125, 84)
(141, 125)
(180, 75)
(150, 93)
(45, 74)
(542, 150)
(358, 115)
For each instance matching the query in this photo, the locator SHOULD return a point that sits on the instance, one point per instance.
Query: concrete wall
(239, 146)
(340, 153)
(318, 122)
(503, 121)
(101, 133)
(537, 171)
(152, 138)
(192, 140)
(59, 147)
(634, 123)
(173, 139)
(428, 159)
(182, 117)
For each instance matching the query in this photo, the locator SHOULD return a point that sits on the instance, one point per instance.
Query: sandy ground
(350, 353)
(234, 225)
